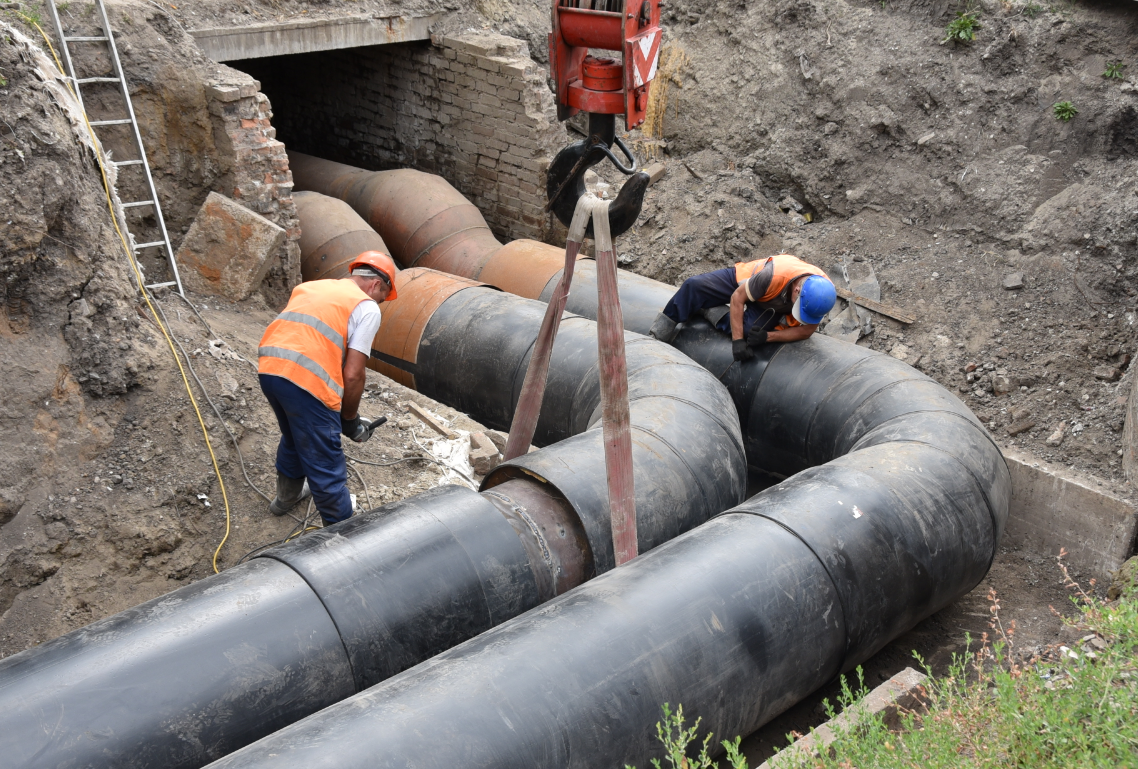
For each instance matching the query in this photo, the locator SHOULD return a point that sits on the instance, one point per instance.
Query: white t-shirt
(363, 324)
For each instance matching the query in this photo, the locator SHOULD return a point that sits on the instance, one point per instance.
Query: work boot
(290, 491)
(664, 329)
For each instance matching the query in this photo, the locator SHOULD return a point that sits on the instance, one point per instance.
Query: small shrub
(676, 739)
(1031, 10)
(963, 28)
(1065, 110)
(1114, 71)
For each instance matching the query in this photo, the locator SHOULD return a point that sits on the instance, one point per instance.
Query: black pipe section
(192, 676)
(687, 450)
(641, 298)
(737, 619)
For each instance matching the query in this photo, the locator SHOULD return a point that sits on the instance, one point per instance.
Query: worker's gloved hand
(740, 351)
(349, 427)
(756, 337)
(355, 428)
(359, 430)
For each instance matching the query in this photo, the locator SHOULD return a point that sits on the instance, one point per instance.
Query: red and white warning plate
(645, 56)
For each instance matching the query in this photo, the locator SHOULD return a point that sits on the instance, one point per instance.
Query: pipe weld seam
(869, 397)
(983, 486)
(838, 382)
(331, 617)
(427, 249)
(699, 480)
(821, 562)
(698, 407)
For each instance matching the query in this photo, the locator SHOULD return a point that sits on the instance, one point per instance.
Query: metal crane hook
(565, 182)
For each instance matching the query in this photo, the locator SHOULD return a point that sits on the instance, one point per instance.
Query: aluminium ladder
(119, 78)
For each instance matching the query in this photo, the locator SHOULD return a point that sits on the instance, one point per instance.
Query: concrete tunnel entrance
(473, 108)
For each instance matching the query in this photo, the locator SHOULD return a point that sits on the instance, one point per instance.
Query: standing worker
(312, 370)
(777, 299)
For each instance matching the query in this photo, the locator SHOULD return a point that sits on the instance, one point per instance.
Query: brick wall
(254, 168)
(473, 108)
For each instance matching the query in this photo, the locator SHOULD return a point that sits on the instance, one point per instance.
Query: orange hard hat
(379, 262)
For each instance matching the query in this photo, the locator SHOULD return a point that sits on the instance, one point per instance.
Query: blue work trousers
(310, 446)
(711, 290)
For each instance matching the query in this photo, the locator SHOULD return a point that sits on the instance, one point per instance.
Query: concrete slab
(903, 692)
(279, 38)
(228, 249)
(1052, 508)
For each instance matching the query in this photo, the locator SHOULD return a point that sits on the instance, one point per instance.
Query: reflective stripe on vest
(787, 269)
(306, 344)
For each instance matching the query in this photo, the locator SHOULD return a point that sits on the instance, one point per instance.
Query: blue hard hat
(815, 299)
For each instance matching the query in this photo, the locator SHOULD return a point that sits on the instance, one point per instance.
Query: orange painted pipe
(428, 223)
(331, 236)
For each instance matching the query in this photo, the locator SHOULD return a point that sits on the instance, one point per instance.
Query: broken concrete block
(1001, 385)
(228, 250)
(1107, 373)
(1056, 438)
(903, 693)
(1053, 508)
(498, 438)
(1013, 282)
(900, 351)
(1021, 426)
(484, 455)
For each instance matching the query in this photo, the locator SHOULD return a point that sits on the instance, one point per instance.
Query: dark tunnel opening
(362, 106)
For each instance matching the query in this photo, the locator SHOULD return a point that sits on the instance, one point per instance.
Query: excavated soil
(940, 167)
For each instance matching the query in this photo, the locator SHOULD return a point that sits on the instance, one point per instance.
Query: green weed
(1065, 110)
(1031, 10)
(1057, 707)
(963, 28)
(1114, 70)
(31, 17)
(676, 739)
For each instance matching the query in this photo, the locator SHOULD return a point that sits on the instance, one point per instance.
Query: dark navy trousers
(710, 290)
(310, 446)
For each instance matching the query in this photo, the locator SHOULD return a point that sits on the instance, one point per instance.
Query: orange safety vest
(307, 343)
(787, 269)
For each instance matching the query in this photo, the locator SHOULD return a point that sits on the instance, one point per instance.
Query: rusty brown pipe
(425, 221)
(331, 236)
(429, 223)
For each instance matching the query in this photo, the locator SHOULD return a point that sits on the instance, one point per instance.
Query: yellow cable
(142, 287)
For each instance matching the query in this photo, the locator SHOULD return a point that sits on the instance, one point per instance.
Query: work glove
(740, 351)
(756, 337)
(359, 430)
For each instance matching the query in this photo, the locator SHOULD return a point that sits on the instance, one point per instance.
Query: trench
(495, 620)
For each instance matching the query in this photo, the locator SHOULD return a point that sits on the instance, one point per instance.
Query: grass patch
(1065, 707)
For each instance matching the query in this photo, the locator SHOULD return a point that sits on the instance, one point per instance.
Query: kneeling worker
(777, 299)
(312, 370)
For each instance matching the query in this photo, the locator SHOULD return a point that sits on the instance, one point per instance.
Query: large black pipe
(194, 675)
(736, 619)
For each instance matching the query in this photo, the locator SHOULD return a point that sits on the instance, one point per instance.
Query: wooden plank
(885, 309)
(655, 172)
(428, 420)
